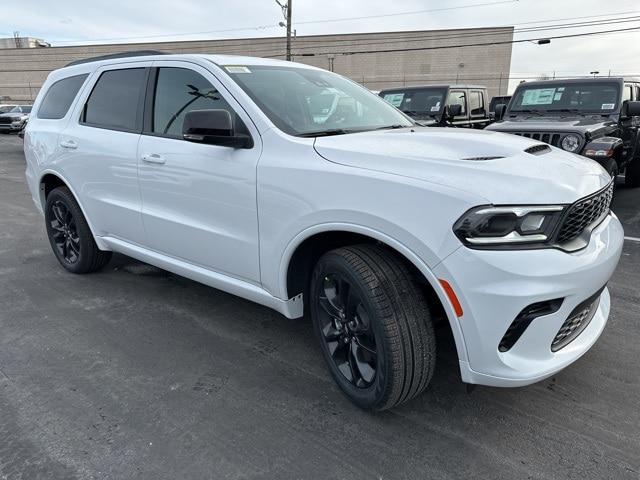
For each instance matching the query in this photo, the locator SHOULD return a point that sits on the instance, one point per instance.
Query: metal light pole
(286, 11)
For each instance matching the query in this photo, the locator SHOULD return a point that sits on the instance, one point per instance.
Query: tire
(385, 312)
(69, 234)
(632, 174)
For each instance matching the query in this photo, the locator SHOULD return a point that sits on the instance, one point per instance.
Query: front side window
(594, 97)
(115, 100)
(179, 91)
(627, 93)
(309, 102)
(59, 97)
(457, 97)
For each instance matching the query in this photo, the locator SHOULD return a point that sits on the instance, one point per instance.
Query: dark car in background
(598, 118)
(442, 105)
(15, 119)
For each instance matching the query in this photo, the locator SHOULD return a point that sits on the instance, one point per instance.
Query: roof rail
(135, 53)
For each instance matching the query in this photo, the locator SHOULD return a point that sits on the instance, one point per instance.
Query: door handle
(153, 158)
(70, 144)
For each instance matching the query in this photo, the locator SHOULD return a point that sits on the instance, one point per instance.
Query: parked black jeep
(597, 118)
(442, 105)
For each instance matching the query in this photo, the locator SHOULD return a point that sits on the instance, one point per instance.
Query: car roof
(443, 85)
(570, 81)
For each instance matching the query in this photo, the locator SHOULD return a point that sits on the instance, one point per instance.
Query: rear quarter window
(59, 97)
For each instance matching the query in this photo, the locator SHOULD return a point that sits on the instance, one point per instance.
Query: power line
(473, 44)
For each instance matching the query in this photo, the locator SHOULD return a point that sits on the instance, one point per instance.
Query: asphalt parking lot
(137, 373)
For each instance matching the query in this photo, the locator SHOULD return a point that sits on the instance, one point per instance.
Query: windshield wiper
(326, 133)
(392, 127)
(564, 110)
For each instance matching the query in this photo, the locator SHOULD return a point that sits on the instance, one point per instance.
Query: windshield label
(608, 106)
(237, 69)
(541, 96)
(436, 107)
(394, 99)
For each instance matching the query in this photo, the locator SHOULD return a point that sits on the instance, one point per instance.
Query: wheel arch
(49, 180)
(304, 251)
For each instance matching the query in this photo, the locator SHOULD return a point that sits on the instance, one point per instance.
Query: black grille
(584, 214)
(550, 138)
(576, 322)
(5, 120)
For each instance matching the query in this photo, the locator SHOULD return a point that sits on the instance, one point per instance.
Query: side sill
(292, 308)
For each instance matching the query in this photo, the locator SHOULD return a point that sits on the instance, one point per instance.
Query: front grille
(5, 120)
(550, 138)
(584, 214)
(577, 321)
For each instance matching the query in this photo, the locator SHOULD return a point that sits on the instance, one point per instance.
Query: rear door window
(59, 97)
(476, 103)
(116, 100)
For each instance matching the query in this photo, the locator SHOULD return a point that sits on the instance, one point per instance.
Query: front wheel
(374, 326)
(69, 234)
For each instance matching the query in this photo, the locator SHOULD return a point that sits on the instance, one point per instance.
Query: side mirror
(453, 111)
(213, 127)
(501, 109)
(631, 109)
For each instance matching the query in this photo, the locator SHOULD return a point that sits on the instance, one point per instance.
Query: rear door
(459, 97)
(199, 201)
(99, 146)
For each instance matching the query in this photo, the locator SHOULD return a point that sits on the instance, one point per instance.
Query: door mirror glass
(501, 109)
(214, 127)
(631, 109)
(454, 111)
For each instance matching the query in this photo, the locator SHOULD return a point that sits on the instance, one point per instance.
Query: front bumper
(12, 127)
(495, 286)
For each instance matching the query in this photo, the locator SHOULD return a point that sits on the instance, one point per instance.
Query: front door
(198, 201)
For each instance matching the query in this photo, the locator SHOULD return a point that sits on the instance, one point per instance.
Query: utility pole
(286, 12)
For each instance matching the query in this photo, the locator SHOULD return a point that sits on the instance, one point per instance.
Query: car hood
(579, 124)
(461, 159)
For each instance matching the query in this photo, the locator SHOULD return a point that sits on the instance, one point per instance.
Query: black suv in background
(442, 105)
(596, 117)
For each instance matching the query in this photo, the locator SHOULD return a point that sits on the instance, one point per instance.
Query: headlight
(487, 227)
(571, 143)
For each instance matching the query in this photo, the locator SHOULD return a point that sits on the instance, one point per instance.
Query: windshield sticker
(237, 69)
(394, 99)
(436, 107)
(557, 96)
(541, 96)
(561, 89)
(608, 106)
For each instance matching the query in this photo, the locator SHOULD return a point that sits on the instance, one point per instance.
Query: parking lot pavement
(137, 373)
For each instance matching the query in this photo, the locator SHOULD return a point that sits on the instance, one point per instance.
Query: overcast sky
(67, 22)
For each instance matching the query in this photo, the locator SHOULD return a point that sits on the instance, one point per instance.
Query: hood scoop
(540, 149)
(482, 159)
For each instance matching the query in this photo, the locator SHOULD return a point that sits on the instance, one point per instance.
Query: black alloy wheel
(69, 234)
(65, 234)
(372, 318)
(347, 332)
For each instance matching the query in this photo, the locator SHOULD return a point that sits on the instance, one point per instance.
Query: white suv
(218, 168)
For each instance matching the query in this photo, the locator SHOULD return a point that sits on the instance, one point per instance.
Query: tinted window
(476, 102)
(179, 91)
(458, 98)
(59, 97)
(114, 101)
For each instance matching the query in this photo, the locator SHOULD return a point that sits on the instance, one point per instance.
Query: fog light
(532, 223)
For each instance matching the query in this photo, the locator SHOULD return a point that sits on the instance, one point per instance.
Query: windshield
(5, 108)
(579, 97)
(418, 103)
(307, 102)
(20, 109)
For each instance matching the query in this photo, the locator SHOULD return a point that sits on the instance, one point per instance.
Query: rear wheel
(374, 326)
(69, 234)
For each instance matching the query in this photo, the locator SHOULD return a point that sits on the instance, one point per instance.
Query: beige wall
(22, 71)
